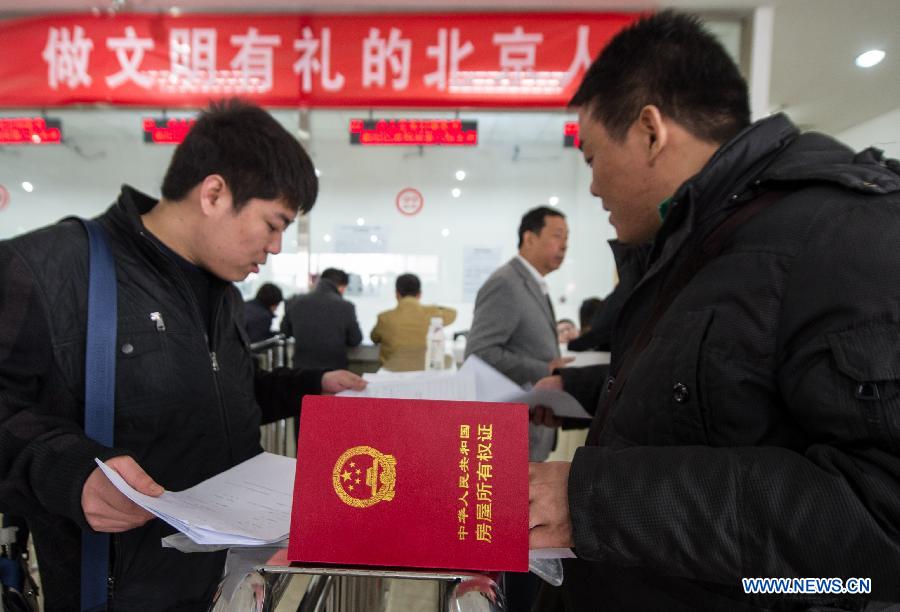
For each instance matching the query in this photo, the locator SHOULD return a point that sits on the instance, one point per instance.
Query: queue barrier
(279, 437)
(256, 580)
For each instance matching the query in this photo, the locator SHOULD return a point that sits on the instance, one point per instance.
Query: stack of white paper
(248, 505)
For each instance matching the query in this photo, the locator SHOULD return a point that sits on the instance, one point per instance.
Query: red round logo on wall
(4, 197)
(410, 201)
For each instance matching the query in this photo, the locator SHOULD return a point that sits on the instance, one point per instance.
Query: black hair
(671, 61)
(587, 310)
(255, 155)
(533, 221)
(336, 276)
(269, 295)
(408, 284)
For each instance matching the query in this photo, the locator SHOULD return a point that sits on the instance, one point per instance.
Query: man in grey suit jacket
(514, 327)
(323, 323)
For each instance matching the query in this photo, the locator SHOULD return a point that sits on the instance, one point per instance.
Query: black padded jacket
(187, 401)
(758, 432)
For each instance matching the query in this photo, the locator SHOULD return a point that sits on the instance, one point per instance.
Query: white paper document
(585, 358)
(474, 381)
(551, 553)
(248, 505)
(442, 385)
(492, 386)
(562, 404)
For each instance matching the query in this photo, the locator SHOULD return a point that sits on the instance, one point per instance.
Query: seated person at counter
(401, 332)
(260, 311)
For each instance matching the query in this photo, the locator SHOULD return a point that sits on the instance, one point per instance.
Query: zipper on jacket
(157, 318)
(215, 365)
(208, 347)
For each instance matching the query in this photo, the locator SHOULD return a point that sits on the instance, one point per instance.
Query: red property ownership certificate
(411, 483)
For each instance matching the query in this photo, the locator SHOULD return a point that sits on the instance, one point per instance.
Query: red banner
(377, 60)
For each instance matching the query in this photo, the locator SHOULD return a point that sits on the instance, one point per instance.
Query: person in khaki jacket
(401, 331)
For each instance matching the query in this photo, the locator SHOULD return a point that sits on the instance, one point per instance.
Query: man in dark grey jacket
(749, 426)
(187, 399)
(323, 323)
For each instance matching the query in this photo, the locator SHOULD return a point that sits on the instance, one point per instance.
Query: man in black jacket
(749, 426)
(187, 400)
(323, 323)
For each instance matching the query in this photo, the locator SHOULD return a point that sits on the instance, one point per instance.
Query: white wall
(102, 150)
(882, 132)
(105, 149)
(500, 185)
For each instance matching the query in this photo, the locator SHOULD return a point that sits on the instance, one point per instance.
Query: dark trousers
(521, 589)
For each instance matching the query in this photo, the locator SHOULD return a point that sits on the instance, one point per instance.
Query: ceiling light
(456, 192)
(869, 58)
(553, 200)
(27, 186)
(327, 237)
(373, 238)
(175, 11)
(360, 221)
(445, 232)
(460, 175)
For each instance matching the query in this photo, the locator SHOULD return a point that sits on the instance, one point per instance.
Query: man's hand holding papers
(105, 508)
(248, 505)
(543, 415)
(559, 362)
(492, 386)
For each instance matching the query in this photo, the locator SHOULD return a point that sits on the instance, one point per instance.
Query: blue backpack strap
(99, 397)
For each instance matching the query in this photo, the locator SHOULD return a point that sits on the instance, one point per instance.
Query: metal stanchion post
(316, 595)
(271, 355)
(280, 426)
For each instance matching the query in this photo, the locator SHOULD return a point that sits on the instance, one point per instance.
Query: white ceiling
(815, 41)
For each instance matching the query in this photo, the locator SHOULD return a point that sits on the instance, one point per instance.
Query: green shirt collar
(664, 208)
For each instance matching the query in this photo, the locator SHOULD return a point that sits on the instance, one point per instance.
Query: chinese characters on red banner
(340, 60)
